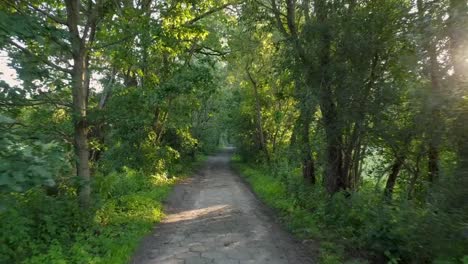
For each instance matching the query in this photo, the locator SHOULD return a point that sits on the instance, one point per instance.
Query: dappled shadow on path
(214, 218)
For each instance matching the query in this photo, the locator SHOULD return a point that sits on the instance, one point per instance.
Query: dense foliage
(38, 228)
(350, 118)
(114, 102)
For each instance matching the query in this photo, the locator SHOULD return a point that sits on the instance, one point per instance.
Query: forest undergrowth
(357, 227)
(39, 227)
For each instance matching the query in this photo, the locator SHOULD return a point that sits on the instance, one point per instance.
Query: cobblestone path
(215, 218)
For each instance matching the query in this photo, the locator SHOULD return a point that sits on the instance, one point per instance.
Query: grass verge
(42, 228)
(298, 219)
(359, 227)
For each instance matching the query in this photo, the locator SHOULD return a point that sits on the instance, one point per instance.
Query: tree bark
(258, 115)
(334, 170)
(334, 167)
(349, 149)
(303, 125)
(392, 178)
(352, 146)
(433, 163)
(414, 177)
(357, 166)
(433, 153)
(429, 45)
(458, 22)
(97, 132)
(308, 168)
(308, 165)
(80, 96)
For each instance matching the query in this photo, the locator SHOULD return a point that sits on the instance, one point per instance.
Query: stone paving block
(239, 254)
(186, 255)
(198, 248)
(214, 218)
(197, 260)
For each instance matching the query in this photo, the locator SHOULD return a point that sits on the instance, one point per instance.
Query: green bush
(28, 163)
(400, 231)
(37, 228)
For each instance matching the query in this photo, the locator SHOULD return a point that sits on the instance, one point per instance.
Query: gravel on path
(213, 217)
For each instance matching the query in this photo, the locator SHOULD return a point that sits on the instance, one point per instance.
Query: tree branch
(211, 52)
(44, 60)
(279, 23)
(105, 45)
(52, 17)
(207, 13)
(92, 20)
(291, 17)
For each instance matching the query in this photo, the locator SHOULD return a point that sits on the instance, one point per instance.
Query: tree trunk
(308, 166)
(81, 128)
(97, 132)
(433, 163)
(357, 167)
(80, 96)
(334, 166)
(429, 45)
(335, 178)
(436, 119)
(458, 22)
(258, 116)
(308, 169)
(391, 181)
(334, 162)
(334, 174)
(349, 150)
(414, 178)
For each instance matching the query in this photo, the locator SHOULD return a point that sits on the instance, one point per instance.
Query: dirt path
(215, 218)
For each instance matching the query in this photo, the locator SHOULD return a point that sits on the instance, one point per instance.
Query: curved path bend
(214, 218)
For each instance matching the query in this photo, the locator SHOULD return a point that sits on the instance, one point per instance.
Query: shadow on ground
(214, 218)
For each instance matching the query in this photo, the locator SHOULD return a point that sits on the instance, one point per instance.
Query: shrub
(37, 228)
(400, 231)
